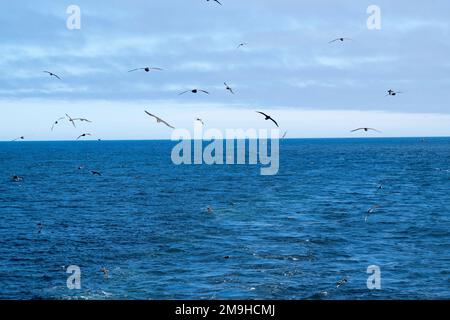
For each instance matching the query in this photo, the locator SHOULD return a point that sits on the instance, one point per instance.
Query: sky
(288, 68)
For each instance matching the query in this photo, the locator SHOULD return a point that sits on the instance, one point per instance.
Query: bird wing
(79, 137)
(159, 69)
(55, 75)
(275, 122)
(204, 91)
(136, 69)
(218, 2)
(159, 119)
(184, 92)
(334, 40)
(262, 113)
(357, 129)
(374, 130)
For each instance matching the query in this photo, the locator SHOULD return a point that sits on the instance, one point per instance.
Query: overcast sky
(288, 68)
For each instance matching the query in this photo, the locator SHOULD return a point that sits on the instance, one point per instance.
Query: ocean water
(288, 236)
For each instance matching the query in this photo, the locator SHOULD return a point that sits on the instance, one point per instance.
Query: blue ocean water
(289, 236)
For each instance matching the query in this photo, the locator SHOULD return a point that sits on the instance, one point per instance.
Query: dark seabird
(227, 87)
(52, 74)
(84, 135)
(17, 178)
(193, 91)
(340, 39)
(96, 173)
(56, 122)
(268, 117)
(366, 130)
(19, 138)
(341, 282)
(147, 69)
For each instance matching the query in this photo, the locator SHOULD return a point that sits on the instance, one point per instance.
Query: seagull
(241, 45)
(56, 122)
(193, 91)
(215, 1)
(341, 282)
(200, 120)
(147, 69)
(340, 39)
(370, 211)
(158, 119)
(52, 74)
(268, 117)
(227, 87)
(366, 130)
(17, 178)
(19, 138)
(393, 93)
(96, 173)
(84, 135)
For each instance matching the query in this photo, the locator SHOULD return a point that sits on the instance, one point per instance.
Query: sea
(372, 214)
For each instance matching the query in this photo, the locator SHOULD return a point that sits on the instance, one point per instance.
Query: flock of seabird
(267, 117)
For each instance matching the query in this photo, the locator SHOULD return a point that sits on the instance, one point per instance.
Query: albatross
(83, 135)
(268, 117)
(147, 69)
(52, 74)
(366, 130)
(194, 91)
(159, 120)
(227, 87)
(56, 122)
(340, 39)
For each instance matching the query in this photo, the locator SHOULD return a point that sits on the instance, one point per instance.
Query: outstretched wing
(184, 92)
(262, 113)
(275, 122)
(136, 69)
(357, 129)
(204, 91)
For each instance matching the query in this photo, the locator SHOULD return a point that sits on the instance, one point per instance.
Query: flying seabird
(393, 93)
(243, 44)
(147, 69)
(84, 135)
(340, 39)
(194, 91)
(96, 173)
(200, 120)
(268, 117)
(56, 122)
(341, 282)
(19, 138)
(366, 130)
(370, 211)
(72, 120)
(215, 1)
(227, 87)
(52, 74)
(158, 119)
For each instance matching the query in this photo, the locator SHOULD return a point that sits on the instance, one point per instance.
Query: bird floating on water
(159, 120)
(268, 117)
(16, 178)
